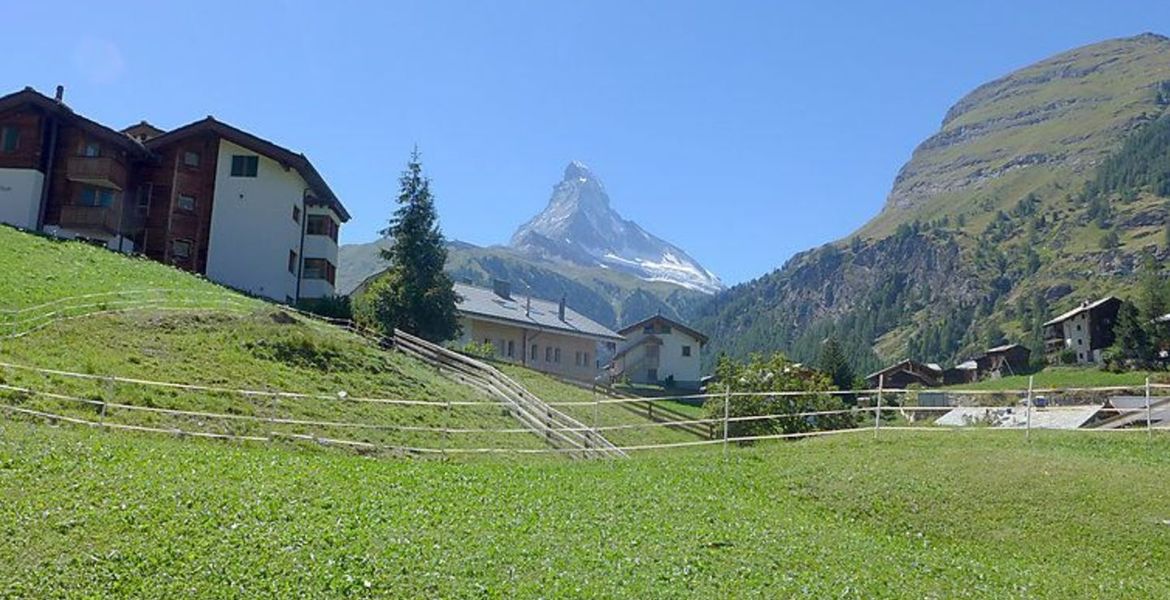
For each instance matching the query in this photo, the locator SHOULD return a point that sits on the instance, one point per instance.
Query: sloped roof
(661, 319)
(32, 97)
(259, 145)
(542, 314)
(1079, 309)
(905, 363)
(1003, 348)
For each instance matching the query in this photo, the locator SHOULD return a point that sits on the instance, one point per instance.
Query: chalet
(905, 373)
(660, 350)
(206, 197)
(1085, 330)
(1008, 359)
(539, 334)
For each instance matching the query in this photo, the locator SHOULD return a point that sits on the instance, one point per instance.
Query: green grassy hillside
(200, 333)
(976, 514)
(1041, 189)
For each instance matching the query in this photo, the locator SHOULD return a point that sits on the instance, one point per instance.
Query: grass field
(584, 409)
(250, 344)
(1066, 377)
(973, 514)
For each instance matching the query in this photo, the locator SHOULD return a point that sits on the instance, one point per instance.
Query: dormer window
(245, 165)
(91, 149)
(191, 159)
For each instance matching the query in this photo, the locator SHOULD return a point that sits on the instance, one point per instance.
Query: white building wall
(1076, 337)
(252, 229)
(20, 196)
(685, 369)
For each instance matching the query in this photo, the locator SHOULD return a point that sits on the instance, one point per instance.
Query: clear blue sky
(741, 131)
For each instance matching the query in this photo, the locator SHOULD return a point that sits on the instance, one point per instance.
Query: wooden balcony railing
(104, 171)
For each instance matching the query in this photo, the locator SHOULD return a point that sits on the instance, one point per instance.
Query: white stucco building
(658, 350)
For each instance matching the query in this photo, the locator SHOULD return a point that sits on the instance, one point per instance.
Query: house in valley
(659, 350)
(1084, 331)
(206, 197)
(539, 334)
(906, 373)
(1000, 361)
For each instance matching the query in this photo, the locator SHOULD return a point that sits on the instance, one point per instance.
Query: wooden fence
(557, 428)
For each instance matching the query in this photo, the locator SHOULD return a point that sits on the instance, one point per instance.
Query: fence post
(446, 429)
(1028, 420)
(877, 413)
(596, 414)
(1149, 414)
(105, 400)
(726, 416)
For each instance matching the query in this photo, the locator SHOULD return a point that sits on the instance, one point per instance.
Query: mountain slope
(987, 229)
(607, 296)
(580, 227)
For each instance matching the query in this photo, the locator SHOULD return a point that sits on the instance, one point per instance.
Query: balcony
(102, 220)
(102, 171)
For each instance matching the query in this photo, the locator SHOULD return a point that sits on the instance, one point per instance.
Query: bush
(479, 349)
(774, 374)
(1068, 356)
(330, 307)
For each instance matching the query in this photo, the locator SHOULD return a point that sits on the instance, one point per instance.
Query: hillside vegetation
(206, 335)
(926, 515)
(610, 297)
(1042, 189)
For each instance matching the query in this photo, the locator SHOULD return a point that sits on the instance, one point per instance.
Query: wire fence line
(889, 416)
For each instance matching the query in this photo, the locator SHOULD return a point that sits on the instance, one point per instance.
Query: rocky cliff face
(988, 223)
(579, 226)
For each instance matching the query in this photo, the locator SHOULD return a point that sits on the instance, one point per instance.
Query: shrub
(330, 307)
(479, 349)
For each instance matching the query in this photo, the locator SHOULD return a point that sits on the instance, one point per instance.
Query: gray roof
(1078, 310)
(543, 314)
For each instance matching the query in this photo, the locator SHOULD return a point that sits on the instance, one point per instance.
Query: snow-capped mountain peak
(579, 226)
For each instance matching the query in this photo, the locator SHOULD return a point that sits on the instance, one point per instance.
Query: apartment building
(206, 197)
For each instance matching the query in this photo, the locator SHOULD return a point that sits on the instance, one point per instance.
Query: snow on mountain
(579, 226)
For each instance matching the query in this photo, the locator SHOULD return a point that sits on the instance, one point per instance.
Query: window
(557, 356)
(686, 350)
(297, 214)
(321, 225)
(9, 139)
(584, 359)
(186, 203)
(318, 268)
(1078, 326)
(577, 359)
(96, 197)
(292, 262)
(666, 329)
(511, 349)
(244, 166)
(648, 329)
(534, 353)
(91, 149)
(181, 249)
(191, 159)
(548, 354)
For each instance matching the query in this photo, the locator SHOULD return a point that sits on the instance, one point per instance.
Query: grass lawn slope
(911, 515)
(200, 333)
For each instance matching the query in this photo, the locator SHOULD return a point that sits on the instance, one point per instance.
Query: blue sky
(741, 131)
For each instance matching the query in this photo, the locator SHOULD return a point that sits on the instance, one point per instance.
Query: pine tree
(833, 363)
(1131, 337)
(415, 296)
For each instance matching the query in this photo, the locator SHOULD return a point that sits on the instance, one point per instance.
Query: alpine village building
(539, 334)
(206, 197)
(659, 350)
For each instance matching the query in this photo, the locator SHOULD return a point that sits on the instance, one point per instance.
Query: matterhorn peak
(579, 226)
(578, 171)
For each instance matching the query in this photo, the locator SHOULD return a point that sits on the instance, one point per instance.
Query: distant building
(905, 373)
(659, 350)
(539, 334)
(206, 197)
(1086, 330)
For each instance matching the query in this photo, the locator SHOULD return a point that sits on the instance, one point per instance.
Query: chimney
(502, 289)
(561, 309)
(60, 96)
(528, 305)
